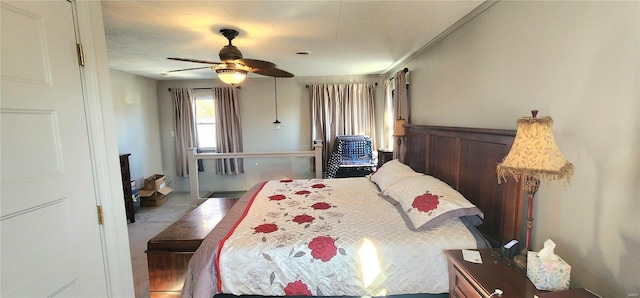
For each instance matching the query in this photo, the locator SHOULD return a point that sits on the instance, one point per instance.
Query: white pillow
(390, 173)
(425, 202)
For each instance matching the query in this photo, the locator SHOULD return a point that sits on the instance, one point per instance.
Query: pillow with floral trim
(425, 202)
(390, 173)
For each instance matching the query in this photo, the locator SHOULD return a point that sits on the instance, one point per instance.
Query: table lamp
(398, 130)
(534, 155)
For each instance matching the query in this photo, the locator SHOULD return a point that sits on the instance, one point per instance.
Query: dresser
(126, 187)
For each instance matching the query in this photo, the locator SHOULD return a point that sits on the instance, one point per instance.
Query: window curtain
(184, 127)
(228, 129)
(341, 109)
(400, 110)
(387, 126)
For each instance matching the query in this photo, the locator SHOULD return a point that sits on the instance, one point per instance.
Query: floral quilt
(330, 238)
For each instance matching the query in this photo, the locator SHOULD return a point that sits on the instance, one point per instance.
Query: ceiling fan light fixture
(231, 76)
(233, 69)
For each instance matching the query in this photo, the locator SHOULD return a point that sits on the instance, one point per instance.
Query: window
(205, 122)
(389, 118)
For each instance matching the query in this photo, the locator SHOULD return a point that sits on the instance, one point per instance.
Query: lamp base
(520, 261)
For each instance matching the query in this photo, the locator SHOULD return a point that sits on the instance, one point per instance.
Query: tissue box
(548, 274)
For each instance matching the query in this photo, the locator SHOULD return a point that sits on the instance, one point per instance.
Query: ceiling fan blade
(194, 68)
(194, 60)
(273, 72)
(253, 63)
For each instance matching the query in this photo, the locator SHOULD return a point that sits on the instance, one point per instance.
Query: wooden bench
(169, 252)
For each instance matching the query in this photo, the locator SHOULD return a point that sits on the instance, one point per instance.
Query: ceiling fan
(233, 68)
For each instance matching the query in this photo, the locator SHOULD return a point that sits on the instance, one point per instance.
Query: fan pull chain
(275, 84)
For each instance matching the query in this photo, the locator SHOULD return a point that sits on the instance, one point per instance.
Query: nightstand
(384, 156)
(468, 279)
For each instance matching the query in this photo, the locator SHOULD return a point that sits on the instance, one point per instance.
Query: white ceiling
(343, 37)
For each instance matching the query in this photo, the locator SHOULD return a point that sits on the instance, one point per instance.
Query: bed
(380, 235)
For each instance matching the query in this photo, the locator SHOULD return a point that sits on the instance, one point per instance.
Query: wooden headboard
(466, 159)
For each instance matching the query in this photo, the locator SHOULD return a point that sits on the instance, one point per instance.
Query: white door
(50, 236)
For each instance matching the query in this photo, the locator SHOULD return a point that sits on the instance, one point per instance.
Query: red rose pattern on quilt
(302, 241)
(297, 288)
(322, 247)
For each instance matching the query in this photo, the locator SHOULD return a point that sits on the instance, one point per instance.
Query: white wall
(135, 103)
(257, 109)
(577, 62)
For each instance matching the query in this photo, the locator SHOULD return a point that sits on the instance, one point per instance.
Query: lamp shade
(231, 76)
(398, 129)
(534, 153)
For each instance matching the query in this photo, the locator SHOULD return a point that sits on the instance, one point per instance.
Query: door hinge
(80, 54)
(100, 215)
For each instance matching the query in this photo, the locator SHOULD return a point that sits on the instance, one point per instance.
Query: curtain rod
(307, 86)
(206, 88)
(406, 70)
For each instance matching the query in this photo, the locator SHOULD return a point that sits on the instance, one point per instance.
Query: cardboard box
(155, 182)
(155, 191)
(154, 201)
(153, 198)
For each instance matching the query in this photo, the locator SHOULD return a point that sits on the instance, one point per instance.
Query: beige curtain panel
(228, 129)
(400, 110)
(184, 127)
(388, 120)
(342, 109)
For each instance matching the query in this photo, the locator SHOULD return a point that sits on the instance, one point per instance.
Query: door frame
(103, 144)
